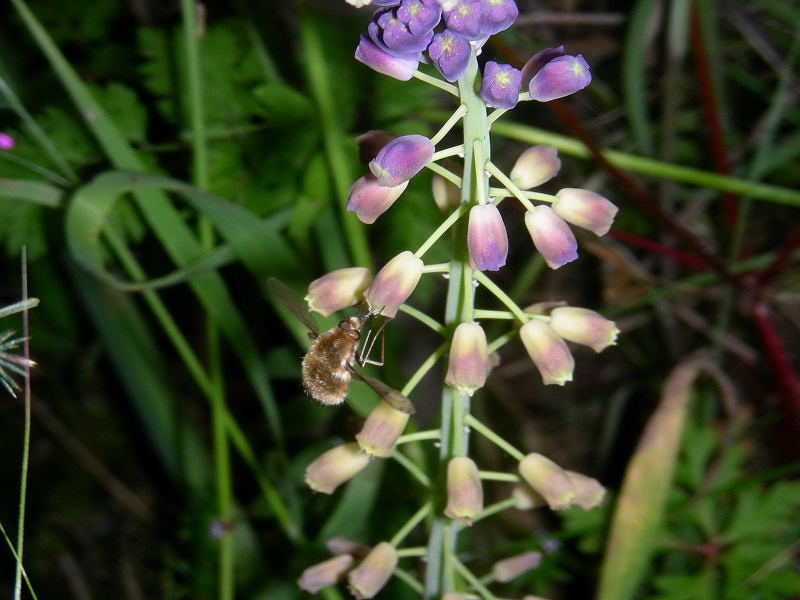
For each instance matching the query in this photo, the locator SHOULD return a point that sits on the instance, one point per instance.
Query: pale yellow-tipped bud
(548, 351)
(394, 283)
(337, 290)
(588, 492)
(526, 498)
(446, 195)
(585, 209)
(383, 426)
(368, 578)
(512, 567)
(468, 364)
(332, 468)
(584, 326)
(548, 479)
(535, 166)
(343, 545)
(326, 573)
(464, 490)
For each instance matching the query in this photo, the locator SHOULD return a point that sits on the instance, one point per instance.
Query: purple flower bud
(394, 283)
(551, 236)
(535, 166)
(371, 142)
(420, 16)
(337, 290)
(464, 18)
(562, 76)
(394, 36)
(497, 15)
(500, 85)
(537, 61)
(548, 351)
(585, 209)
(7, 142)
(401, 159)
(383, 62)
(487, 240)
(450, 54)
(369, 200)
(326, 573)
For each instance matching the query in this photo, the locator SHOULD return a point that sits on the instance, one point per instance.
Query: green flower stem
(413, 469)
(419, 436)
(496, 114)
(498, 476)
(423, 369)
(501, 295)
(482, 590)
(501, 341)
(441, 230)
(480, 167)
(423, 318)
(493, 437)
(436, 268)
(482, 313)
(409, 526)
(416, 551)
(447, 152)
(495, 508)
(504, 193)
(488, 579)
(18, 562)
(436, 82)
(409, 580)
(448, 125)
(440, 170)
(503, 178)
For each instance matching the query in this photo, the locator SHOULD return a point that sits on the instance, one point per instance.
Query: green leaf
(282, 105)
(125, 109)
(29, 190)
(21, 225)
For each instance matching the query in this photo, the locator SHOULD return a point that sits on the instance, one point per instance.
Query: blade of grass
(634, 71)
(32, 191)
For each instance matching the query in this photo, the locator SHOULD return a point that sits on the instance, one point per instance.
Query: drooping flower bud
(370, 143)
(332, 468)
(342, 545)
(7, 142)
(584, 326)
(381, 61)
(500, 85)
(369, 200)
(537, 61)
(450, 54)
(535, 166)
(468, 364)
(326, 573)
(548, 351)
(464, 18)
(512, 567)
(446, 195)
(394, 36)
(401, 159)
(588, 491)
(383, 426)
(420, 16)
(464, 490)
(552, 236)
(497, 15)
(585, 209)
(487, 240)
(337, 290)
(368, 578)
(526, 498)
(394, 283)
(562, 76)
(548, 479)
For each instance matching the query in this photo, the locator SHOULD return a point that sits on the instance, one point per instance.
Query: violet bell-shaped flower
(401, 159)
(381, 61)
(585, 209)
(487, 240)
(497, 15)
(394, 283)
(394, 36)
(369, 200)
(464, 18)
(562, 76)
(450, 54)
(420, 16)
(337, 290)
(500, 85)
(551, 236)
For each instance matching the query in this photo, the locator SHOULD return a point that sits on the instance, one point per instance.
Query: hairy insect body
(327, 367)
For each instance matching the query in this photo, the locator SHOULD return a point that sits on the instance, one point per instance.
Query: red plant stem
(778, 357)
(772, 270)
(719, 158)
(682, 257)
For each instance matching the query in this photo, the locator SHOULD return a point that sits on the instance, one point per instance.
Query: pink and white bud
(548, 351)
(548, 479)
(332, 468)
(535, 166)
(585, 209)
(526, 498)
(512, 567)
(7, 142)
(337, 290)
(394, 283)
(383, 426)
(468, 364)
(552, 236)
(584, 326)
(326, 573)
(368, 578)
(588, 491)
(464, 490)
(342, 545)
(369, 200)
(487, 240)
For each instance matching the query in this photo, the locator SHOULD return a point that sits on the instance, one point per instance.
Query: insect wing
(293, 302)
(389, 395)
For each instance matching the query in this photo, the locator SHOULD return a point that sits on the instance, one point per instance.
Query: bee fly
(328, 365)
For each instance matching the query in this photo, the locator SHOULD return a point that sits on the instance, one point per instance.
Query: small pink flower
(551, 236)
(487, 240)
(584, 326)
(394, 283)
(548, 351)
(585, 209)
(535, 166)
(369, 200)
(468, 364)
(337, 290)
(7, 142)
